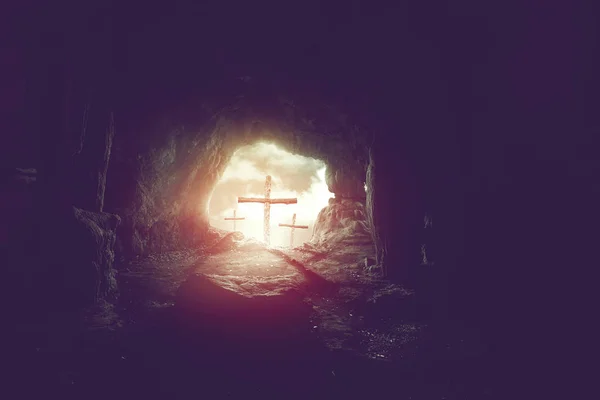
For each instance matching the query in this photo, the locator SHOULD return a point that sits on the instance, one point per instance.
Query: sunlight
(293, 176)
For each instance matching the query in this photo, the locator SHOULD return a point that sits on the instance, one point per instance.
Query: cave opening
(293, 176)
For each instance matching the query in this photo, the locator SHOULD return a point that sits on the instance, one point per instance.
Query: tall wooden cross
(267, 200)
(234, 219)
(294, 227)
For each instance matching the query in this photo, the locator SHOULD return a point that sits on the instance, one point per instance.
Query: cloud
(289, 172)
(293, 175)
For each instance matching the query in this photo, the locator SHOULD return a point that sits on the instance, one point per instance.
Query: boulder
(345, 182)
(341, 220)
(228, 242)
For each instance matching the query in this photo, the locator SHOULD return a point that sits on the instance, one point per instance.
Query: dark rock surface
(19, 236)
(162, 186)
(17, 205)
(346, 181)
(342, 220)
(227, 242)
(93, 156)
(81, 258)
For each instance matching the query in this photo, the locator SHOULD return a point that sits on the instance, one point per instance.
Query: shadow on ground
(191, 325)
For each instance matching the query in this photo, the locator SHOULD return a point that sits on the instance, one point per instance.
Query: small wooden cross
(267, 200)
(234, 219)
(294, 227)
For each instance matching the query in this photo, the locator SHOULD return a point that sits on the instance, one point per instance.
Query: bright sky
(292, 176)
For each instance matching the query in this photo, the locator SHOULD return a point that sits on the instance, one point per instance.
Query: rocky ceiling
(161, 185)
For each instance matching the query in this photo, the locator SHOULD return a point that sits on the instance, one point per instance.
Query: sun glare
(293, 176)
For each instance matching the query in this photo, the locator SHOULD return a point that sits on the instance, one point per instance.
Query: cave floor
(359, 337)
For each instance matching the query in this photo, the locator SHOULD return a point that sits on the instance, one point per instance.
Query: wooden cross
(294, 227)
(267, 200)
(234, 219)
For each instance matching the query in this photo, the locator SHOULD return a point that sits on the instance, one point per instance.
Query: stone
(96, 232)
(345, 183)
(392, 215)
(389, 301)
(81, 258)
(341, 220)
(227, 242)
(92, 160)
(165, 182)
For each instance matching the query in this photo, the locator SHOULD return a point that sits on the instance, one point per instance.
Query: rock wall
(79, 261)
(153, 192)
(346, 181)
(162, 186)
(71, 105)
(341, 220)
(65, 254)
(394, 212)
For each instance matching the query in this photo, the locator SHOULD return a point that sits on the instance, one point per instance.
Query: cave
(408, 158)
(292, 177)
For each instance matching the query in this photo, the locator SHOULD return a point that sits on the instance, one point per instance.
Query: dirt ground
(362, 335)
(349, 315)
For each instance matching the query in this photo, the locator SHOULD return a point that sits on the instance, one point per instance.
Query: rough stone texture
(94, 237)
(76, 239)
(161, 186)
(346, 181)
(343, 219)
(372, 198)
(228, 242)
(92, 157)
(163, 193)
(393, 213)
(80, 258)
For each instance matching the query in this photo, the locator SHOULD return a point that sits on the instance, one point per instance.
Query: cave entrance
(293, 176)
